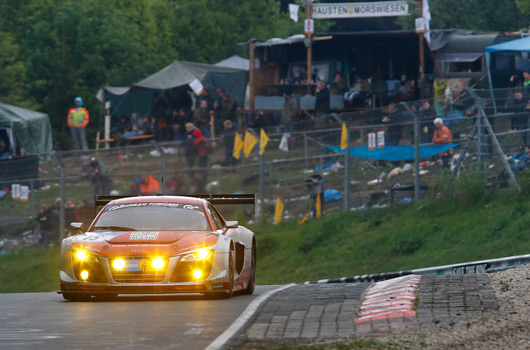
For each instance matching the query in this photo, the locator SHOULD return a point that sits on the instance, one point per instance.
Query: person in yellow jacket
(77, 121)
(442, 134)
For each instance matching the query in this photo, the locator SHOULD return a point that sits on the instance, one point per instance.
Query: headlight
(197, 274)
(199, 255)
(158, 263)
(81, 255)
(118, 264)
(84, 274)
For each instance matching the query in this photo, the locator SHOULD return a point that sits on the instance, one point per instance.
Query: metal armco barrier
(482, 266)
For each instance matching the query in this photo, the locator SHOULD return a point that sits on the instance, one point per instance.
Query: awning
(461, 57)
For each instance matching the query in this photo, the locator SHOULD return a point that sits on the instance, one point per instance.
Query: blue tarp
(514, 45)
(393, 153)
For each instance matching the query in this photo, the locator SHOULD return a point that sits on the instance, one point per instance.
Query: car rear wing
(215, 199)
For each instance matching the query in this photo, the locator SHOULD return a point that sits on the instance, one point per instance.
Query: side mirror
(229, 225)
(76, 227)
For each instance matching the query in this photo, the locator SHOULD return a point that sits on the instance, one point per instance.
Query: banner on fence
(392, 153)
(278, 212)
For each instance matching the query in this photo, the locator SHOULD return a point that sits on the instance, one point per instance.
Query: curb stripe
(241, 321)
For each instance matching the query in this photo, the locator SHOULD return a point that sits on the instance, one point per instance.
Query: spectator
(147, 185)
(394, 120)
(519, 119)
(121, 128)
(44, 218)
(228, 108)
(205, 95)
(95, 171)
(442, 135)
(178, 123)
(175, 185)
(518, 157)
(404, 88)
(77, 121)
(261, 120)
(201, 118)
(322, 101)
(4, 149)
(147, 127)
(229, 136)
(513, 85)
(289, 111)
(302, 75)
(338, 87)
(161, 124)
(427, 115)
(356, 93)
(196, 145)
(315, 183)
(526, 76)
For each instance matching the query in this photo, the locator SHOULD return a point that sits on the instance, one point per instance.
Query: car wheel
(252, 281)
(77, 296)
(106, 296)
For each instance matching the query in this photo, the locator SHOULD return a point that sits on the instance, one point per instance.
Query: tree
(13, 72)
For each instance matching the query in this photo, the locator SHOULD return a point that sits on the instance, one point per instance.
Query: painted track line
(240, 322)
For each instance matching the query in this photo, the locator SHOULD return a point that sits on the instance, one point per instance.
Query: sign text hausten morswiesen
(360, 9)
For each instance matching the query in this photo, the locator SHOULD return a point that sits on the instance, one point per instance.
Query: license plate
(132, 265)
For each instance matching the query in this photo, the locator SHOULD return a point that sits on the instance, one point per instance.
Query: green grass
(461, 223)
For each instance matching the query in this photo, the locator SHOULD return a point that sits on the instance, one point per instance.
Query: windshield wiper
(114, 228)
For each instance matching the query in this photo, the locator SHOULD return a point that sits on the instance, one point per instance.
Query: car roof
(157, 199)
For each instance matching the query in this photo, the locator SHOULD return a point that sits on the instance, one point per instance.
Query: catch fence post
(163, 157)
(347, 172)
(62, 185)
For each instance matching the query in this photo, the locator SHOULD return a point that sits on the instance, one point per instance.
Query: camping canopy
(234, 62)
(138, 97)
(32, 130)
(519, 45)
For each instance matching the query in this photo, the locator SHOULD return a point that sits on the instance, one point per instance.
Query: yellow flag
(301, 222)
(250, 142)
(238, 146)
(318, 207)
(278, 211)
(343, 137)
(263, 140)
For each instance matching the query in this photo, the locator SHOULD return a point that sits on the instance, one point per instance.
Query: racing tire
(106, 296)
(252, 281)
(77, 296)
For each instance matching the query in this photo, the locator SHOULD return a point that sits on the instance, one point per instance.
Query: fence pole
(347, 173)
(32, 194)
(163, 158)
(262, 186)
(61, 205)
(417, 189)
(305, 150)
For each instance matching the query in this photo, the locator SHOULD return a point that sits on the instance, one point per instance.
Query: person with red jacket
(148, 185)
(442, 134)
(77, 121)
(196, 146)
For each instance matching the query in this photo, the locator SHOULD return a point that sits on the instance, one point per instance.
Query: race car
(159, 244)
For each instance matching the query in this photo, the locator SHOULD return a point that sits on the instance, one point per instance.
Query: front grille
(135, 272)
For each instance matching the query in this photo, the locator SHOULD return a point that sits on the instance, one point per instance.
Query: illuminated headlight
(197, 274)
(158, 263)
(118, 264)
(200, 255)
(81, 255)
(84, 274)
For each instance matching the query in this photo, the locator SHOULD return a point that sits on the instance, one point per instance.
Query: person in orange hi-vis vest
(148, 185)
(442, 134)
(77, 121)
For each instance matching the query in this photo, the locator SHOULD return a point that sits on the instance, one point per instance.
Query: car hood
(109, 243)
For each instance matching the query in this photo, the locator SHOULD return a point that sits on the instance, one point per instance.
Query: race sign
(371, 141)
(381, 139)
(309, 26)
(360, 9)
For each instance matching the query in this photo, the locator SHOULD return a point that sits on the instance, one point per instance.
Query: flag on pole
(238, 146)
(250, 142)
(426, 14)
(318, 207)
(263, 140)
(278, 212)
(344, 137)
(293, 11)
(284, 143)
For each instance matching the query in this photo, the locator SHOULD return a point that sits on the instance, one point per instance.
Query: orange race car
(159, 244)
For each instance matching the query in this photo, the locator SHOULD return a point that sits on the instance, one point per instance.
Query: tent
(234, 62)
(25, 129)
(174, 79)
(519, 45)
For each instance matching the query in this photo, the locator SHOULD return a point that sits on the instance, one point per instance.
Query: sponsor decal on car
(157, 204)
(139, 236)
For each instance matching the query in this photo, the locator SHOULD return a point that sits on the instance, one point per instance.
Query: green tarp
(32, 130)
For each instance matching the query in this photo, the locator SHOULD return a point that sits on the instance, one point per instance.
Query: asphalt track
(45, 321)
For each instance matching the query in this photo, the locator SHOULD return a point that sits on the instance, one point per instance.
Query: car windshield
(153, 216)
